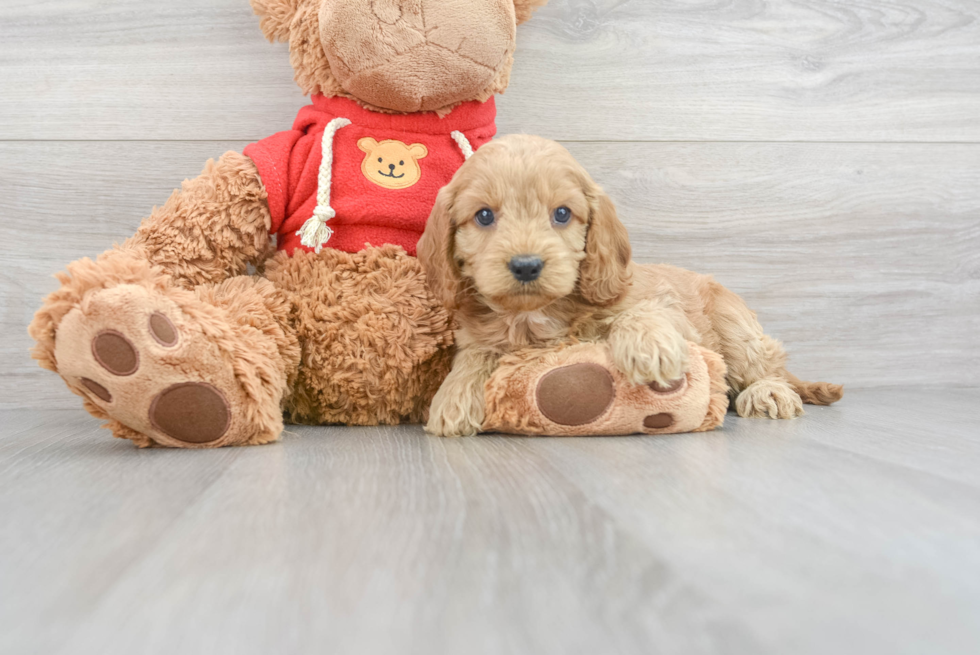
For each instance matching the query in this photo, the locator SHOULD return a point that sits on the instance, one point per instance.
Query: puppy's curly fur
(587, 289)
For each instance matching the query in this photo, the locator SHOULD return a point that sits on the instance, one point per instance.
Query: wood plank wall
(822, 158)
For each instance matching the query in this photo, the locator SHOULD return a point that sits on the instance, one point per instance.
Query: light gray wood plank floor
(855, 529)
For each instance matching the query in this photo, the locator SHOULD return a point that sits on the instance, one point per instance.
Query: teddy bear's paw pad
(664, 420)
(100, 392)
(660, 421)
(191, 412)
(672, 387)
(575, 395)
(162, 329)
(115, 353)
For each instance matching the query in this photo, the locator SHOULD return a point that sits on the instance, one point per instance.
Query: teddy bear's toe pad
(115, 353)
(192, 412)
(162, 329)
(658, 421)
(576, 394)
(100, 392)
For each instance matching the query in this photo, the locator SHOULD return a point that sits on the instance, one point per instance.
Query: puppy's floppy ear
(276, 16)
(604, 275)
(435, 251)
(524, 9)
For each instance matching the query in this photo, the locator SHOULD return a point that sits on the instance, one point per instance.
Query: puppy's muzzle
(526, 268)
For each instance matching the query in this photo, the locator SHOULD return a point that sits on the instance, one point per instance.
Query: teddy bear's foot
(176, 369)
(577, 391)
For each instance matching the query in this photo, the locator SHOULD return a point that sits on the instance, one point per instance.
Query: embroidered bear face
(392, 164)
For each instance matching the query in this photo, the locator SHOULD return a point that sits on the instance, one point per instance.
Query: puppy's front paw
(454, 418)
(648, 353)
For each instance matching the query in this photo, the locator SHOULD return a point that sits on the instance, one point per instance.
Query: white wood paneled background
(820, 157)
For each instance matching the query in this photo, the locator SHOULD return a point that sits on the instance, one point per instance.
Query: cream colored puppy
(527, 250)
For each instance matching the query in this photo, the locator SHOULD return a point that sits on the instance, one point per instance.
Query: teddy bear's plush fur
(168, 338)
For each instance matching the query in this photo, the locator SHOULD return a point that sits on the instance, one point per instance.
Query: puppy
(528, 251)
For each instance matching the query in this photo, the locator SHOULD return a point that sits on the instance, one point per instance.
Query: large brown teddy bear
(166, 335)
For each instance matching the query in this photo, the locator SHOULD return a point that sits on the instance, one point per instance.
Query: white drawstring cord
(463, 143)
(315, 233)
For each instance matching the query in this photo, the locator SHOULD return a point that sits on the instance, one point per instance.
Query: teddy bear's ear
(367, 144)
(276, 16)
(418, 151)
(524, 8)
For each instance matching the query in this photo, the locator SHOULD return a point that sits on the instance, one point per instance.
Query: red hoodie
(385, 174)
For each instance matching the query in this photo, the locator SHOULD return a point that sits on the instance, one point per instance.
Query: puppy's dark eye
(485, 217)
(562, 216)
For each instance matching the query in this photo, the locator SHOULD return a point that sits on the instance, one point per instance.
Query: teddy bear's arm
(210, 229)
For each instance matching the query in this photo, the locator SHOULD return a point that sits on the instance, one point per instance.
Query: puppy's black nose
(526, 268)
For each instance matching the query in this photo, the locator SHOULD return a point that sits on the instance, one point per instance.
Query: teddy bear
(171, 340)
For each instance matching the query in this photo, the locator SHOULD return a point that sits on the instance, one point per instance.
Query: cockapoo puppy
(527, 250)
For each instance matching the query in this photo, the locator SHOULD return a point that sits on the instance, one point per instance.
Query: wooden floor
(855, 529)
